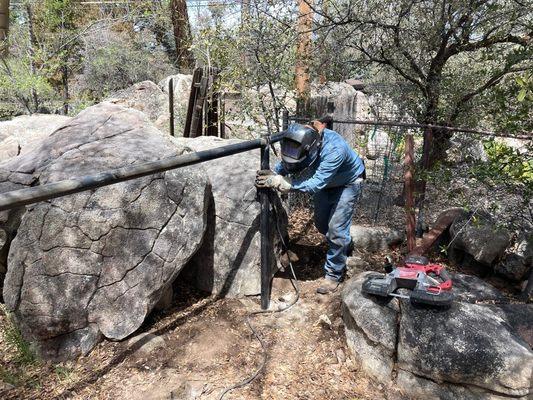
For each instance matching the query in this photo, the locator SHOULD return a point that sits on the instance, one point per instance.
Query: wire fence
(467, 176)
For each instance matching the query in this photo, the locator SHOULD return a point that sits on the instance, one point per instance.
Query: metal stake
(266, 249)
(171, 104)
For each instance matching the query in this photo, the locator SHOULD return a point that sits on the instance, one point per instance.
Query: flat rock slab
(472, 351)
(95, 263)
(471, 289)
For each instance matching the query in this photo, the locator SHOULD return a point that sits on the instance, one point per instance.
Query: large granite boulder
(478, 237)
(378, 144)
(24, 133)
(517, 264)
(228, 263)
(146, 97)
(96, 263)
(182, 89)
(465, 148)
(470, 351)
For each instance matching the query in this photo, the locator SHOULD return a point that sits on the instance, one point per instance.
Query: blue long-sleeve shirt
(337, 165)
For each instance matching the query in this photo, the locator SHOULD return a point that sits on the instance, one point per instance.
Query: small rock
(341, 357)
(145, 343)
(355, 265)
(513, 267)
(288, 258)
(465, 148)
(324, 320)
(189, 390)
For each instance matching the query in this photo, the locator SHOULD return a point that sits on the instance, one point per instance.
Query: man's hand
(268, 179)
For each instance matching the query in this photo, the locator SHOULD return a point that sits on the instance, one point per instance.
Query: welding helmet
(300, 147)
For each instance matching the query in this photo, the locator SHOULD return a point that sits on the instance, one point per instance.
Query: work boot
(327, 286)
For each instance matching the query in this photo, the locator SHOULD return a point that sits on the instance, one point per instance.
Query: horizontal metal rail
(22, 197)
(525, 136)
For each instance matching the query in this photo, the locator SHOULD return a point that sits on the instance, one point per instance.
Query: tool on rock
(430, 284)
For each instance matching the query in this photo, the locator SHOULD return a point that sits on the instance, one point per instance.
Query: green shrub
(119, 65)
(505, 165)
(13, 338)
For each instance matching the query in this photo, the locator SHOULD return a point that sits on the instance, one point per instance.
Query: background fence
(478, 171)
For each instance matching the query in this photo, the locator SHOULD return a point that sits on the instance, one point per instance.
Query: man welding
(333, 173)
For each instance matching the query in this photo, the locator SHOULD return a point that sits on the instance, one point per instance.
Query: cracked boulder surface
(469, 351)
(24, 133)
(228, 264)
(147, 97)
(94, 264)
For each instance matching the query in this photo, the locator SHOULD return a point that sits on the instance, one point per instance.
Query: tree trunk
(4, 26)
(436, 141)
(182, 33)
(32, 46)
(305, 22)
(66, 94)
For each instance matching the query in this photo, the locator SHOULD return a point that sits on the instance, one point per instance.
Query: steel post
(266, 249)
(171, 104)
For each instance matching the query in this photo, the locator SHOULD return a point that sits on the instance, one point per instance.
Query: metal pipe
(18, 198)
(425, 126)
(266, 250)
(171, 104)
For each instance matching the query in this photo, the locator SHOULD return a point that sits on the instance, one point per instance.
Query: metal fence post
(409, 189)
(266, 249)
(171, 104)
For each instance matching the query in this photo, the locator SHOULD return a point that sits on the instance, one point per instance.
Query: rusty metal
(409, 192)
(195, 84)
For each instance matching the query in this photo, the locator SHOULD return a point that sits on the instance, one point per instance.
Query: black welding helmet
(299, 147)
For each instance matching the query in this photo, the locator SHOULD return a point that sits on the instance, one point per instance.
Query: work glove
(265, 178)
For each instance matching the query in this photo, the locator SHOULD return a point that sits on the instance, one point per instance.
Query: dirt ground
(203, 345)
(207, 346)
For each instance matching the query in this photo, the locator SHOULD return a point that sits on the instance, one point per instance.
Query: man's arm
(280, 170)
(328, 167)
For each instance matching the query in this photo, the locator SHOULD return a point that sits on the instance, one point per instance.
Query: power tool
(430, 284)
